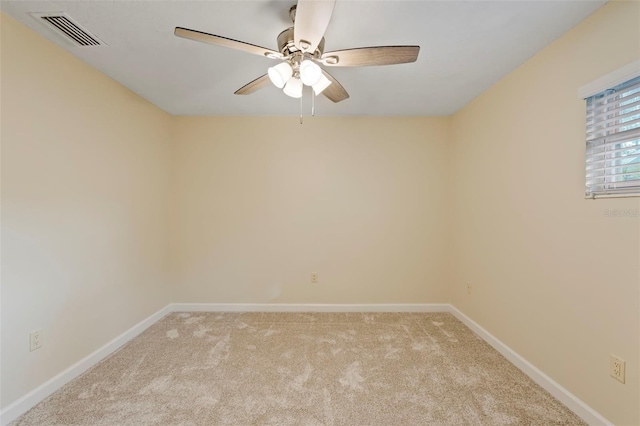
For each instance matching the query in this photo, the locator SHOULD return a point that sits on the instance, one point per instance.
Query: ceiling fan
(301, 50)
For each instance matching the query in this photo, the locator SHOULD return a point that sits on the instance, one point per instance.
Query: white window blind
(613, 141)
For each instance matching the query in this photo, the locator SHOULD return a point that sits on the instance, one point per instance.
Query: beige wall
(551, 276)
(261, 203)
(85, 166)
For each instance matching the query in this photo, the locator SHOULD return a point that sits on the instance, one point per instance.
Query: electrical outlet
(314, 278)
(468, 288)
(35, 340)
(616, 367)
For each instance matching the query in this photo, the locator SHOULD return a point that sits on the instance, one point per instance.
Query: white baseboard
(24, 404)
(308, 307)
(28, 401)
(572, 402)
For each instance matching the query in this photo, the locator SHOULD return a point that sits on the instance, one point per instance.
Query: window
(613, 141)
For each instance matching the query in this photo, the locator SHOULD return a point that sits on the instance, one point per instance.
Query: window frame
(607, 82)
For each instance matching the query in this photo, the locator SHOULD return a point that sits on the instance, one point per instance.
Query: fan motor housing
(287, 47)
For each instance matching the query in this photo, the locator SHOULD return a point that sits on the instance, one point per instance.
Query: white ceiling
(466, 46)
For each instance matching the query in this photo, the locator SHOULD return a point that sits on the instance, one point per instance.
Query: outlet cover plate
(616, 367)
(35, 340)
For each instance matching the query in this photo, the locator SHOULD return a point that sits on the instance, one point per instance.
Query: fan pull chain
(300, 109)
(313, 103)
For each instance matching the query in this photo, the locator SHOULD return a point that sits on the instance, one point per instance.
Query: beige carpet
(303, 369)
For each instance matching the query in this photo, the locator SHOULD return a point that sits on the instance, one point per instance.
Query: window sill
(596, 196)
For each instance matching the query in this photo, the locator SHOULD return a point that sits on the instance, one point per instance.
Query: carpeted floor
(303, 369)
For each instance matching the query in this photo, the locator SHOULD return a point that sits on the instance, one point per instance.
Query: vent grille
(62, 23)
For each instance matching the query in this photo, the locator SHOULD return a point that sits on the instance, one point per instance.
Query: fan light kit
(286, 75)
(301, 48)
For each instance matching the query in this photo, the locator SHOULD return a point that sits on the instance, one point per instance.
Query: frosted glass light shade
(310, 72)
(280, 74)
(293, 88)
(322, 84)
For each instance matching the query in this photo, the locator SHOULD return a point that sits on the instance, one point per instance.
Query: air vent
(61, 23)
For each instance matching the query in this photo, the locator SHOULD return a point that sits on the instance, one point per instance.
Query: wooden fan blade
(311, 22)
(225, 42)
(335, 92)
(255, 85)
(366, 56)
